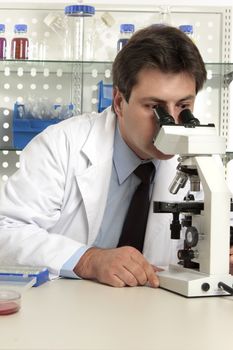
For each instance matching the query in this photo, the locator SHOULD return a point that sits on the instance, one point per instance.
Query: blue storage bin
(24, 129)
(104, 95)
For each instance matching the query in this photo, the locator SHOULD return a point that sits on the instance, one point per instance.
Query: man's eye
(184, 106)
(151, 106)
(158, 104)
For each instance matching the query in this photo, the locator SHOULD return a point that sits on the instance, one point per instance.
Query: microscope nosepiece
(178, 182)
(194, 183)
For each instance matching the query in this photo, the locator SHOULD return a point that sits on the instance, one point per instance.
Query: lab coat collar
(100, 139)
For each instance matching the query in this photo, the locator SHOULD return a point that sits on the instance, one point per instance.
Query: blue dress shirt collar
(125, 160)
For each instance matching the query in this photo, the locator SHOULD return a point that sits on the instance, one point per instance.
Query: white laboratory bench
(84, 315)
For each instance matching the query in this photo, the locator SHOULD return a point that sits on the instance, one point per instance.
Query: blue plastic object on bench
(104, 95)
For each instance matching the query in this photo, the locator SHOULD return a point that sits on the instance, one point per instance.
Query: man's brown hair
(165, 48)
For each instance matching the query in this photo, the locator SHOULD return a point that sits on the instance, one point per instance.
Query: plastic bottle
(3, 43)
(126, 31)
(103, 37)
(75, 35)
(187, 29)
(57, 22)
(20, 43)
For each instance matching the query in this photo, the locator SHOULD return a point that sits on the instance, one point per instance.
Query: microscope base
(191, 283)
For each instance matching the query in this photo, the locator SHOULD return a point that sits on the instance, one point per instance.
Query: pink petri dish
(10, 302)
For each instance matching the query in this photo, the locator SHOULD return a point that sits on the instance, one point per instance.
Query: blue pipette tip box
(40, 274)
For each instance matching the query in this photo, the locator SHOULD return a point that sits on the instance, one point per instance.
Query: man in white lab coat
(65, 207)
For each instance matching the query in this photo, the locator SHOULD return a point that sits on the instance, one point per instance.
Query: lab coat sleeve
(30, 205)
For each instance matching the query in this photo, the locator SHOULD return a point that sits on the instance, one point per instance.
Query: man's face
(173, 92)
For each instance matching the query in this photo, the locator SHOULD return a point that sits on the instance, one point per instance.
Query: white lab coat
(55, 202)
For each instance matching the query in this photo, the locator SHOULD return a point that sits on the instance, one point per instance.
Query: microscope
(203, 262)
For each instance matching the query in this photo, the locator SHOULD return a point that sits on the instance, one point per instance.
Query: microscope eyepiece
(187, 118)
(162, 116)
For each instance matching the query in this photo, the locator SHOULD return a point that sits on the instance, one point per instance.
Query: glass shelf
(7, 149)
(216, 69)
(35, 73)
(54, 66)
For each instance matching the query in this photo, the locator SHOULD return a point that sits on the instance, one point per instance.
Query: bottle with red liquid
(20, 43)
(2, 42)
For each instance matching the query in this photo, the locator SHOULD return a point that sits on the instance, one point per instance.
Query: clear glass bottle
(126, 31)
(3, 42)
(20, 43)
(79, 43)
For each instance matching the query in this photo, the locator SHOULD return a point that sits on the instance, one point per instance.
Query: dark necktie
(134, 227)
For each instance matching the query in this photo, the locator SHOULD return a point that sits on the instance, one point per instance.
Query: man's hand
(118, 267)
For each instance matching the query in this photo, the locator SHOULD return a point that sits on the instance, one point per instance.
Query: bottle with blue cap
(3, 42)
(78, 32)
(188, 30)
(126, 31)
(20, 43)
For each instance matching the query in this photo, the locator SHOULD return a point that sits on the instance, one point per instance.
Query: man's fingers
(116, 267)
(151, 277)
(116, 282)
(137, 272)
(127, 277)
(157, 269)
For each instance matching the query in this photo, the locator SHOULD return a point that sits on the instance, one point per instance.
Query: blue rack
(24, 129)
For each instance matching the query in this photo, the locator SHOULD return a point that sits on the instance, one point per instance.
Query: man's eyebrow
(155, 99)
(189, 97)
(152, 99)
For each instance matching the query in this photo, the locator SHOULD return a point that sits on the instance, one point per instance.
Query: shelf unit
(58, 81)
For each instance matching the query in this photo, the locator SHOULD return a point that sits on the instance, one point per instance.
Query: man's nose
(172, 110)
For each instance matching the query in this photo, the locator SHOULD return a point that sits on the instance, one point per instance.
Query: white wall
(135, 2)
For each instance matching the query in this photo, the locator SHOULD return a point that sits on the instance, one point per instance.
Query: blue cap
(127, 28)
(79, 10)
(2, 28)
(21, 28)
(186, 28)
(71, 106)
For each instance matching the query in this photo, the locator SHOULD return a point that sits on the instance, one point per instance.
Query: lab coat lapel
(94, 181)
(94, 190)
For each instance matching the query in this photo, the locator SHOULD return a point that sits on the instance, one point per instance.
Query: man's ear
(117, 102)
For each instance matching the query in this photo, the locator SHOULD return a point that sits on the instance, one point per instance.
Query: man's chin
(162, 156)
